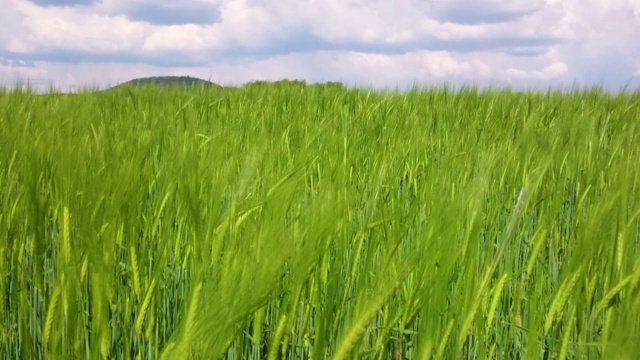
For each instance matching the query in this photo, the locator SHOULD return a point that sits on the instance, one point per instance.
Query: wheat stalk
(66, 240)
(134, 271)
(53, 306)
(145, 306)
(567, 335)
(445, 339)
(608, 298)
(496, 298)
(561, 298)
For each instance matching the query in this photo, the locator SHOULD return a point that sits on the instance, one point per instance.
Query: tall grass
(300, 222)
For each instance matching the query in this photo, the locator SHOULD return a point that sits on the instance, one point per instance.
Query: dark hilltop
(169, 81)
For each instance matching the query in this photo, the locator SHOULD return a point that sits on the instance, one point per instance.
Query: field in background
(297, 222)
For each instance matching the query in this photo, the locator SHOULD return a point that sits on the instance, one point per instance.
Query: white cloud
(183, 37)
(75, 28)
(16, 71)
(555, 70)
(379, 42)
(353, 68)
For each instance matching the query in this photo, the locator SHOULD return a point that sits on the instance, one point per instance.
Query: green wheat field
(319, 222)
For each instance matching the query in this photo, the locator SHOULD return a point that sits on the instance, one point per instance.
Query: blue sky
(381, 43)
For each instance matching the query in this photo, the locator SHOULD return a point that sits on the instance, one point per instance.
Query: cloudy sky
(382, 43)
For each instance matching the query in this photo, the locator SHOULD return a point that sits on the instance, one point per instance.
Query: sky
(522, 44)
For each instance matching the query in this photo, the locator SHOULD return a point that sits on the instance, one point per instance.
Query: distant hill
(187, 82)
(169, 81)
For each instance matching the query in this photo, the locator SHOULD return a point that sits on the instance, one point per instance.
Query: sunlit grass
(299, 222)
